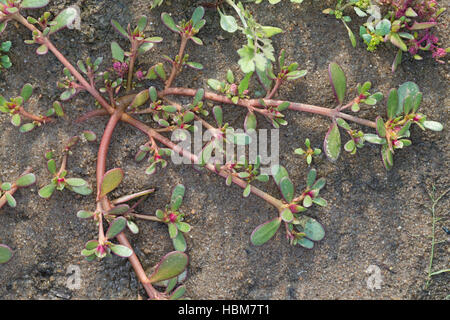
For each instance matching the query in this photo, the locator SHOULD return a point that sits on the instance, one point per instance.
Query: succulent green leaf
(10, 199)
(287, 215)
(169, 23)
(433, 125)
(332, 143)
(383, 27)
(387, 157)
(313, 229)
(116, 227)
(265, 231)
(312, 174)
(177, 197)
(373, 138)
(343, 124)
(179, 242)
(84, 190)
(392, 103)
(307, 201)
(119, 28)
(63, 19)
(16, 120)
(121, 250)
(111, 181)
(83, 214)
(5, 253)
(171, 265)
(338, 81)
(142, 23)
(76, 182)
(398, 42)
(250, 122)
(198, 14)
(26, 180)
(406, 89)
(178, 293)
(47, 191)
(26, 92)
(287, 189)
(381, 129)
(32, 4)
(247, 190)
(58, 109)
(278, 173)
(306, 243)
(27, 127)
(117, 51)
(218, 115)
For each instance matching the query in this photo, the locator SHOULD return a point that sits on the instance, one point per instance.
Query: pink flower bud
(172, 217)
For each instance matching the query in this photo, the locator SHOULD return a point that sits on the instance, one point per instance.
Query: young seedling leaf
(332, 143)
(338, 81)
(111, 181)
(116, 227)
(171, 265)
(265, 231)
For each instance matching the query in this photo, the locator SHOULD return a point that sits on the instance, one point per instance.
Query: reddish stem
(275, 88)
(40, 119)
(14, 188)
(177, 65)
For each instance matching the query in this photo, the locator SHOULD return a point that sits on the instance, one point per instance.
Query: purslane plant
(169, 116)
(406, 24)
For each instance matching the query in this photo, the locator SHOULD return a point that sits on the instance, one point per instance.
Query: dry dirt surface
(373, 217)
